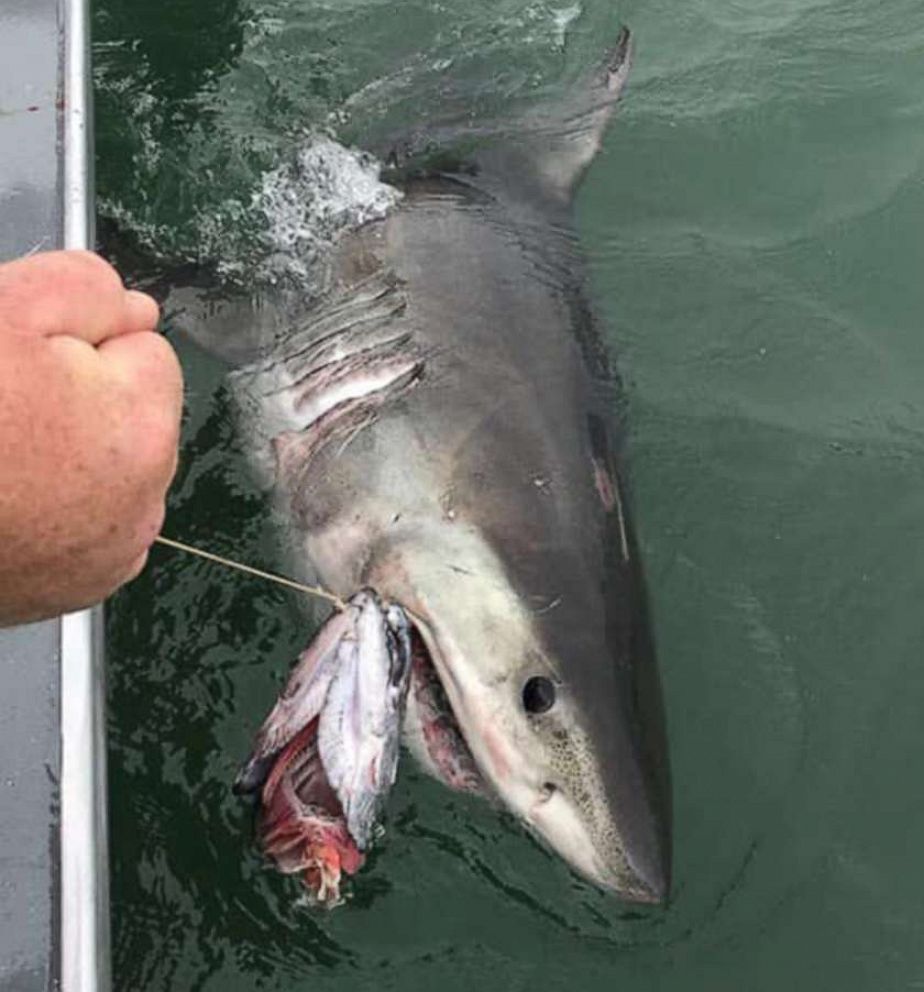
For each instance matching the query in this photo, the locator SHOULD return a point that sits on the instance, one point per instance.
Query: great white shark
(441, 424)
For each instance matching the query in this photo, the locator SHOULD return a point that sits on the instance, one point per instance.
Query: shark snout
(644, 836)
(633, 863)
(650, 879)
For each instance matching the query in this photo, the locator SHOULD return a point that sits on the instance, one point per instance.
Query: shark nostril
(538, 694)
(546, 792)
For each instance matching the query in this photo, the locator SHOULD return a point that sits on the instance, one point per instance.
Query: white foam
(562, 19)
(306, 202)
(281, 228)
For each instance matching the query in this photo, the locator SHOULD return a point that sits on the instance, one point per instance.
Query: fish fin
(564, 139)
(236, 325)
(549, 147)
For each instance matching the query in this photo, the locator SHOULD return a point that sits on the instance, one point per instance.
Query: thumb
(73, 293)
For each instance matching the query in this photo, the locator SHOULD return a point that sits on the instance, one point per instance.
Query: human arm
(90, 403)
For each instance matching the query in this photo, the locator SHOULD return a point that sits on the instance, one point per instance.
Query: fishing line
(259, 573)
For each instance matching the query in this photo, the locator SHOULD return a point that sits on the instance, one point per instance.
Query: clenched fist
(90, 403)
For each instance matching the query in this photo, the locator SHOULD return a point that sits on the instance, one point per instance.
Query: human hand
(90, 404)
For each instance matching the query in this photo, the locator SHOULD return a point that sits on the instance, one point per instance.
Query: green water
(754, 227)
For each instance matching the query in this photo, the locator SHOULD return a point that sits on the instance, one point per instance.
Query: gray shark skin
(440, 426)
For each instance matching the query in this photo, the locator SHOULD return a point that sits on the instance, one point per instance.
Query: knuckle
(154, 364)
(146, 528)
(140, 522)
(144, 454)
(146, 421)
(90, 262)
(134, 569)
(95, 274)
(154, 453)
(166, 363)
(156, 438)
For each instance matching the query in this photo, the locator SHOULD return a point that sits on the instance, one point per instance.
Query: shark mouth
(431, 729)
(326, 756)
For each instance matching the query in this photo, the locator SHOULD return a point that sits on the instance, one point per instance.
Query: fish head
(326, 755)
(557, 707)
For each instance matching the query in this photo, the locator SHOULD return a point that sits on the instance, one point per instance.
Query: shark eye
(538, 694)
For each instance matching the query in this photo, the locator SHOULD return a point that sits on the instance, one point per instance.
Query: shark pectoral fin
(225, 321)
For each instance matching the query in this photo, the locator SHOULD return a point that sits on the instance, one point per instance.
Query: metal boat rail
(54, 911)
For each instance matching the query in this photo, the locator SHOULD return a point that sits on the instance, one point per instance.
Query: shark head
(556, 702)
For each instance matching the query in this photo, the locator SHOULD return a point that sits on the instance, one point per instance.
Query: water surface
(754, 231)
